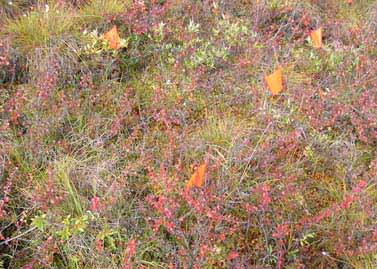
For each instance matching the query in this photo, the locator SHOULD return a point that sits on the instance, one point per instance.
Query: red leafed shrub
(364, 117)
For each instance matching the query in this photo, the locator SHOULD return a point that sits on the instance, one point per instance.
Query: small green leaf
(39, 222)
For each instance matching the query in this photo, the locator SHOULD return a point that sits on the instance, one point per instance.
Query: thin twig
(18, 236)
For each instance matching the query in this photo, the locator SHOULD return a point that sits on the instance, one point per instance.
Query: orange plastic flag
(197, 178)
(275, 81)
(316, 37)
(112, 37)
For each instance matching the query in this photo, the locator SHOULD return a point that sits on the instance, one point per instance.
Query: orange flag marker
(275, 81)
(112, 37)
(197, 178)
(316, 37)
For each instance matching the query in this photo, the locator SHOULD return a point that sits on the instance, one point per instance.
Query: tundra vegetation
(188, 134)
